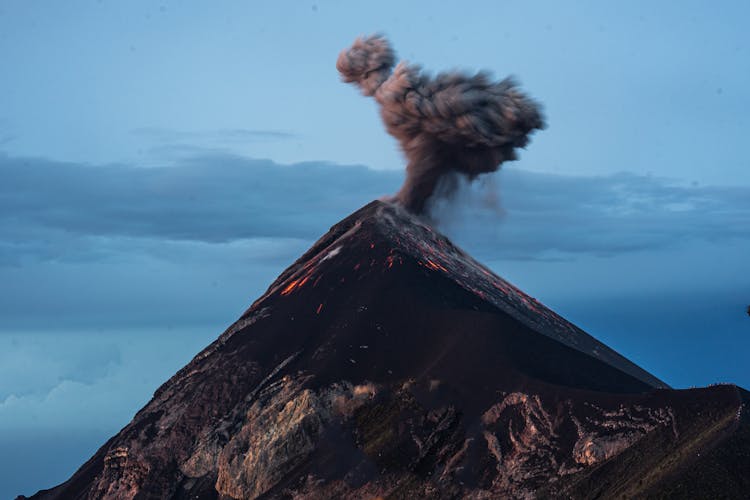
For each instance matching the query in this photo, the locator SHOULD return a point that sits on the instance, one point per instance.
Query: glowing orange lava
(295, 284)
(290, 287)
(433, 265)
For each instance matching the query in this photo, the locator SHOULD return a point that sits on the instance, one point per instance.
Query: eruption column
(452, 123)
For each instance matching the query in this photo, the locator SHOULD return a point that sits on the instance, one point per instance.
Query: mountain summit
(386, 362)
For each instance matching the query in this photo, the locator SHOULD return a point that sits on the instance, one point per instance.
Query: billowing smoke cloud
(452, 123)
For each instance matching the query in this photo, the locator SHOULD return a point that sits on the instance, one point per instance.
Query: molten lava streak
(294, 284)
(434, 266)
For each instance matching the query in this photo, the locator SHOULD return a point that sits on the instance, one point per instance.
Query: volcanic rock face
(386, 362)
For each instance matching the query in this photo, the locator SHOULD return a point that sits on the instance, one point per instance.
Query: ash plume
(447, 124)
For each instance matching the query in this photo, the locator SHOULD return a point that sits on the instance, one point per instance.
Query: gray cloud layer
(83, 245)
(215, 198)
(227, 135)
(544, 214)
(47, 206)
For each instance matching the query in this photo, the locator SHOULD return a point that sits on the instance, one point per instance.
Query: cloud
(47, 206)
(197, 241)
(545, 216)
(126, 281)
(169, 144)
(210, 198)
(165, 145)
(227, 135)
(107, 390)
(74, 360)
(63, 393)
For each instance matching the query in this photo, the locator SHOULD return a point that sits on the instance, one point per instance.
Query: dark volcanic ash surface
(387, 363)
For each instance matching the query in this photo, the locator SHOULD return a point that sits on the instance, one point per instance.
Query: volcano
(386, 362)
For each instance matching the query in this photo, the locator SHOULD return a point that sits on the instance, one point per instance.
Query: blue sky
(161, 163)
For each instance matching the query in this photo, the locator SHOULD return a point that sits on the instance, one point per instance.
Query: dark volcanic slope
(386, 362)
(403, 238)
